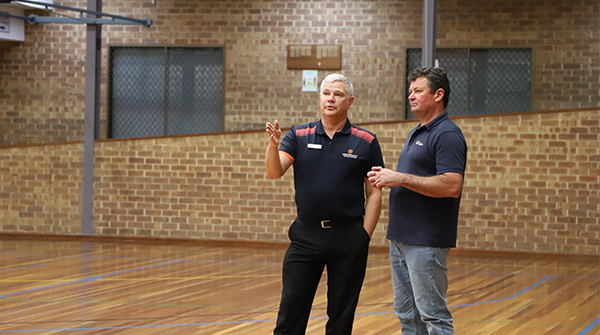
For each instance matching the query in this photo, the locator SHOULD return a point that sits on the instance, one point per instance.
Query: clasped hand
(380, 177)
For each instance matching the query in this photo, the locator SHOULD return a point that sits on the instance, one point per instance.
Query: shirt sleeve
(451, 153)
(376, 155)
(289, 143)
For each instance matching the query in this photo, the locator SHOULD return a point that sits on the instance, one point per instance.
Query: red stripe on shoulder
(306, 131)
(365, 135)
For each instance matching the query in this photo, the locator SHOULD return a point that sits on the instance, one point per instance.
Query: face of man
(335, 101)
(422, 101)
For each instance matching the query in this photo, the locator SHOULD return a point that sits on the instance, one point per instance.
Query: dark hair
(436, 78)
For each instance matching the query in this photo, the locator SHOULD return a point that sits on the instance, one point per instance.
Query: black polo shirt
(329, 174)
(435, 148)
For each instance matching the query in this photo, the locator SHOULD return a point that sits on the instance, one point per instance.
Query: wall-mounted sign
(4, 25)
(326, 57)
(309, 80)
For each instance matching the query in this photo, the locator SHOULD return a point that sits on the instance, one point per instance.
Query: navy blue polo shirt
(329, 174)
(435, 148)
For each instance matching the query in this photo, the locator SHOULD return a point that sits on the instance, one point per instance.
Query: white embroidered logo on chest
(350, 154)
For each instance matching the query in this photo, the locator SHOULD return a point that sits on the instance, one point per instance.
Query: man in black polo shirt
(331, 159)
(424, 204)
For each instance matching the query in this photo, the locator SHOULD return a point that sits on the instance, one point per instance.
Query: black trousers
(343, 249)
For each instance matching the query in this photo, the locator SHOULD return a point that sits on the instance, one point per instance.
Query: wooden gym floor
(50, 286)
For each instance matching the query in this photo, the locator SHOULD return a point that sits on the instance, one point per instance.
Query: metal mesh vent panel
(482, 81)
(165, 91)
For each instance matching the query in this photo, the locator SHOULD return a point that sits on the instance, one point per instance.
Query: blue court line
(135, 327)
(267, 263)
(590, 327)
(522, 274)
(88, 279)
(88, 255)
(485, 302)
(508, 298)
(270, 320)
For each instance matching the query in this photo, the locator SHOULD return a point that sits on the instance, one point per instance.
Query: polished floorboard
(50, 286)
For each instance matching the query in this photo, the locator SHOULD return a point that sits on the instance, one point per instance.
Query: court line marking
(272, 320)
(583, 332)
(278, 263)
(508, 298)
(590, 327)
(93, 255)
(100, 277)
(261, 310)
(137, 327)
(484, 302)
(138, 279)
(87, 279)
(249, 276)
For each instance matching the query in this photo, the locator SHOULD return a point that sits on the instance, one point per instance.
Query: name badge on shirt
(314, 146)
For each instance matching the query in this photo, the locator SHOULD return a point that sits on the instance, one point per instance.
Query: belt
(330, 223)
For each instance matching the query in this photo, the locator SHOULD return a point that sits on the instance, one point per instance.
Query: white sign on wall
(12, 29)
(309, 80)
(4, 25)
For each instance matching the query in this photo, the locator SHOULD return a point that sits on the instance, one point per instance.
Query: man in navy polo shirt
(424, 204)
(331, 159)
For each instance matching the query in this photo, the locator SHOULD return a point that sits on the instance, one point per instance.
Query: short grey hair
(338, 77)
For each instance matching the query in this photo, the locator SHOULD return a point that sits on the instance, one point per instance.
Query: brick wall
(532, 184)
(42, 79)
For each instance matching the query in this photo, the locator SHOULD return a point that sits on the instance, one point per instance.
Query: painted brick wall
(42, 79)
(532, 184)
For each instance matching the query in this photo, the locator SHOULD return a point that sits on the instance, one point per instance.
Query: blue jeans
(420, 282)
